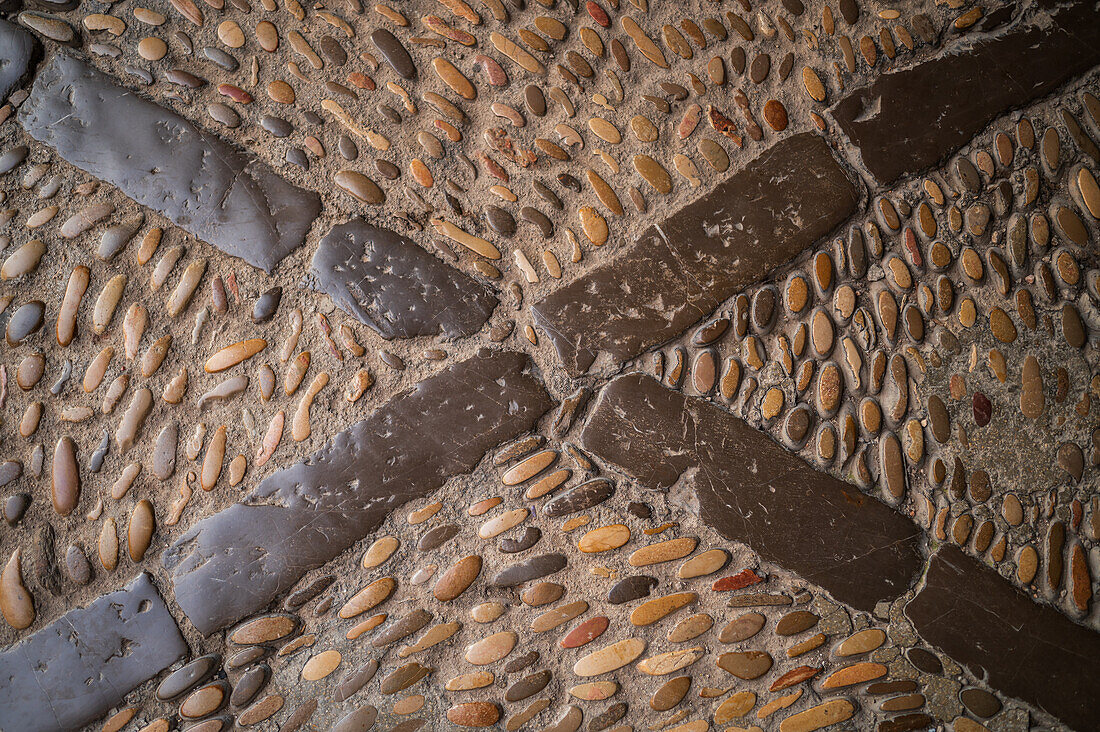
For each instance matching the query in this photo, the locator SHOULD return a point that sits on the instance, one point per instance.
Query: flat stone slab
(19, 51)
(203, 184)
(1021, 648)
(84, 663)
(683, 268)
(394, 286)
(750, 489)
(235, 562)
(908, 120)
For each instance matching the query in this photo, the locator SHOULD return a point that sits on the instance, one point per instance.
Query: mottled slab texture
(394, 286)
(18, 52)
(1019, 647)
(84, 663)
(750, 489)
(908, 120)
(681, 269)
(237, 561)
(205, 185)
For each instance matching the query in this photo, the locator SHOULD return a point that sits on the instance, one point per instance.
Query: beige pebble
(321, 665)
(491, 649)
(16, 603)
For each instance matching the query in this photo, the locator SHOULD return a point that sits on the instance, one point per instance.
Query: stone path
(549, 366)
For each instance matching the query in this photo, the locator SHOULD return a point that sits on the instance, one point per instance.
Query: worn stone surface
(679, 270)
(1002, 635)
(19, 51)
(909, 119)
(235, 562)
(75, 669)
(752, 490)
(395, 286)
(208, 187)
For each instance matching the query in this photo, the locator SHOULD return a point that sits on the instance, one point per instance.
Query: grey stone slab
(84, 663)
(908, 120)
(750, 489)
(236, 562)
(206, 186)
(19, 51)
(394, 286)
(682, 268)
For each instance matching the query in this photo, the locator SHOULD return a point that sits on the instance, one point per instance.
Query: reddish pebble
(737, 581)
(496, 73)
(362, 81)
(598, 14)
(983, 409)
(585, 633)
(235, 93)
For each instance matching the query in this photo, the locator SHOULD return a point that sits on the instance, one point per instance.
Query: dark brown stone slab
(1019, 647)
(681, 269)
(908, 120)
(203, 184)
(84, 663)
(236, 562)
(394, 286)
(751, 489)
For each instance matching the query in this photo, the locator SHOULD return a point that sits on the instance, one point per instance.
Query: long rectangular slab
(682, 268)
(394, 286)
(908, 120)
(1021, 648)
(84, 663)
(206, 186)
(750, 489)
(237, 561)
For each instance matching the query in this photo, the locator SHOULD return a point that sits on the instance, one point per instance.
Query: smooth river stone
(910, 119)
(757, 220)
(610, 657)
(749, 488)
(19, 51)
(1019, 647)
(206, 186)
(236, 562)
(395, 54)
(75, 669)
(532, 569)
(396, 287)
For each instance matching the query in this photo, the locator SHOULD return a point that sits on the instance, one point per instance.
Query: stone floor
(549, 366)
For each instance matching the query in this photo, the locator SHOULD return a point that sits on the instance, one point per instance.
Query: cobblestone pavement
(549, 366)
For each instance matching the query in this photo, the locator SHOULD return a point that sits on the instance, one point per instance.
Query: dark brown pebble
(359, 720)
(395, 54)
(534, 568)
(185, 79)
(539, 219)
(632, 588)
(500, 220)
(250, 684)
(980, 702)
(525, 541)
(580, 498)
(15, 506)
(608, 717)
(309, 591)
(437, 537)
(77, 565)
(300, 716)
(402, 628)
(521, 662)
(356, 680)
(925, 661)
(403, 677)
(527, 686)
(535, 100)
(267, 305)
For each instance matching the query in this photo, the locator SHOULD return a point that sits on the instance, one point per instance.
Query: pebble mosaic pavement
(549, 365)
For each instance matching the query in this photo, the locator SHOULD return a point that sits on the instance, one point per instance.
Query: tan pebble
(23, 260)
(369, 597)
(857, 673)
(738, 705)
(594, 690)
(690, 627)
(213, 460)
(491, 649)
(321, 665)
(605, 538)
(474, 714)
(864, 641)
(70, 304)
(665, 551)
(818, 717)
(502, 522)
(139, 534)
(468, 682)
(380, 551)
(108, 545)
(652, 611)
(129, 427)
(16, 603)
(594, 225)
(280, 92)
(458, 578)
(230, 34)
(106, 303)
(670, 662)
(529, 467)
(264, 629)
(610, 658)
(813, 84)
(185, 288)
(234, 354)
(487, 612)
(421, 515)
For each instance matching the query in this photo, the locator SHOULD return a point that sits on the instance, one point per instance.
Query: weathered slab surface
(908, 120)
(1021, 648)
(237, 561)
(395, 287)
(84, 663)
(681, 269)
(751, 489)
(18, 52)
(208, 187)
